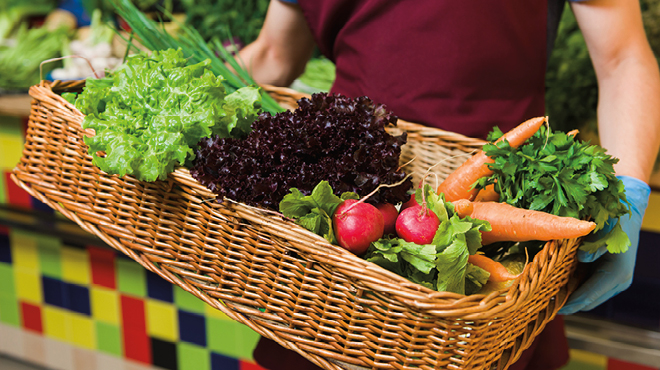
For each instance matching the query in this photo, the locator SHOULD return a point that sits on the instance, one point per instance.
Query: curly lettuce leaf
(150, 115)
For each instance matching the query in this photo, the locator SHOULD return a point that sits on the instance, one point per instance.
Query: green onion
(155, 37)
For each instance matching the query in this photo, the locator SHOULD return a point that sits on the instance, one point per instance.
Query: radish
(410, 203)
(357, 225)
(417, 224)
(390, 214)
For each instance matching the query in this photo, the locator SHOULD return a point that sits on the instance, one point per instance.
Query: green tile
(50, 257)
(9, 311)
(187, 301)
(231, 338)
(131, 277)
(247, 339)
(3, 192)
(7, 287)
(108, 338)
(192, 357)
(221, 336)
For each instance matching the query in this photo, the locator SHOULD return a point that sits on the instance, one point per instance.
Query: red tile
(16, 196)
(244, 365)
(102, 261)
(31, 315)
(137, 346)
(614, 364)
(134, 330)
(4, 230)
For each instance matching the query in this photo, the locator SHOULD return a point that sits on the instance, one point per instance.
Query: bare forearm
(283, 47)
(629, 115)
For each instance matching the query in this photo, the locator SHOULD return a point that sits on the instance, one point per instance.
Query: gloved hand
(614, 272)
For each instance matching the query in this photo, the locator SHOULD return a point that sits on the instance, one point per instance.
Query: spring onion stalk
(155, 37)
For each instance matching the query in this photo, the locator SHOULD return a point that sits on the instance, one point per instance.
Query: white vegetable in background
(96, 48)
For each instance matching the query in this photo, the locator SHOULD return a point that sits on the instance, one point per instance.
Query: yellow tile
(28, 286)
(589, 358)
(652, 216)
(24, 250)
(82, 331)
(75, 265)
(12, 148)
(105, 305)
(212, 312)
(162, 320)
(57, 323)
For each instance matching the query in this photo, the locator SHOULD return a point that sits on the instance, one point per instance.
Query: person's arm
(628, 83)
(629, 128)
(284, 45)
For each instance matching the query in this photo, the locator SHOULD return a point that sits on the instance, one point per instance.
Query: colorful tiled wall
(92, 298)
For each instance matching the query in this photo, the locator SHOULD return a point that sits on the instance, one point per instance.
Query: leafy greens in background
(150, 114)
(443, 264)
(556, 173)
(19, 63)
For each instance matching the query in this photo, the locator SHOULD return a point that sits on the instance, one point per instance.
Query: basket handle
(41, 73)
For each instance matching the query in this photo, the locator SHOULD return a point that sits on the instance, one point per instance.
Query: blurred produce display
(20, 61)
(95, 46)
(226, 19)
(571, 85)
(14, 12)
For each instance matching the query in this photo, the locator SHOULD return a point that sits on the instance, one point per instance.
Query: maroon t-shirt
(459, 65)
(463, 66)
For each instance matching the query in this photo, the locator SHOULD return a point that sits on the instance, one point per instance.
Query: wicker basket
(282, 281)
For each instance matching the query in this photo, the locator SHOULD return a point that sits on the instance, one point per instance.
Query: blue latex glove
(614, 272)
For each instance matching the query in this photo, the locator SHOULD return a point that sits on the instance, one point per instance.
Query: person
(466, 66)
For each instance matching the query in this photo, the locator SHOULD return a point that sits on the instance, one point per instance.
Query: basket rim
(373, 277)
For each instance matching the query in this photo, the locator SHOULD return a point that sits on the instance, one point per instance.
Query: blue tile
(635, 306)
(5, 249)
(159, 288)
(220, 362)
(192, 328)
(40, 206)
(79, 299)
(648, 255)
(55, 292)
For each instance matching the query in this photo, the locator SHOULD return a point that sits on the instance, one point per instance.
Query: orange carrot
(458, 185)
(510, 223)
(487, 194)
(498, 273)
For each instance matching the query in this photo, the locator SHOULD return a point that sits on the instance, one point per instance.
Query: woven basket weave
(282, 281)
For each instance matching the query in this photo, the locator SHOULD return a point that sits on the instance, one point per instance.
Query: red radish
(417, 224)
(390, 215)
(412, 202)
(357, 225)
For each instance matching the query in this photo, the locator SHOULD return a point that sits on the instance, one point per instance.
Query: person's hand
(613, 272)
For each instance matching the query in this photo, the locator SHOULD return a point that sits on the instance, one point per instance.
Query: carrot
(487, 194)
(458, 185)
(498, 273)
(510, 223)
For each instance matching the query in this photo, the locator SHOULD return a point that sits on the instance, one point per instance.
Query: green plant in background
(571, 85)
(20, 62)
(224, 19)
(13, 12)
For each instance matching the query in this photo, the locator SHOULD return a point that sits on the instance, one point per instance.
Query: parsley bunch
(555, 173)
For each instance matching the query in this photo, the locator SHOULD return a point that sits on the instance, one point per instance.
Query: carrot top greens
(556, 173)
